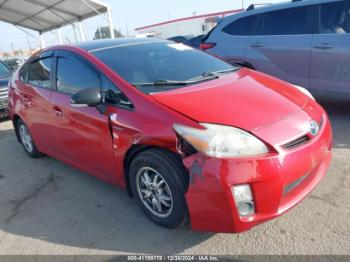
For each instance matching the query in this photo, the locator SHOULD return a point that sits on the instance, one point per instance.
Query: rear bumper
(209, 198)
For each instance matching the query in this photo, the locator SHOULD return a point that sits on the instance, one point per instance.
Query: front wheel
(157, 179)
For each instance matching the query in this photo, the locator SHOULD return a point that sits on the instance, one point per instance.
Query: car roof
(278, 6)
(287, 4)
(273, 7)
(106, 43)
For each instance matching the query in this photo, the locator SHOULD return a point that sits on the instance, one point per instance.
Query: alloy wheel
(26, 138)
(154, 192)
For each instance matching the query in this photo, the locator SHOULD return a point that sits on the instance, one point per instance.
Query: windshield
(4, 69)
(156, 67)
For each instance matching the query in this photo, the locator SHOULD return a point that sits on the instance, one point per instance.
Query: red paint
(247, 100)
(271, 109)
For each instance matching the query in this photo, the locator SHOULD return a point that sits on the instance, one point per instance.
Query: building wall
(18, 53)
(187, 26)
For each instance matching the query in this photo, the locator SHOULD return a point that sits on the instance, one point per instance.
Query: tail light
(206, 46)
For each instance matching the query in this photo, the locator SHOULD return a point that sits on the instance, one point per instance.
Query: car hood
(244, 99)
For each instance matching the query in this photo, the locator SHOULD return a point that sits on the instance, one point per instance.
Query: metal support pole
(42, 42)
(81, 31)
(110, 21)
(75, 33)
(59, 34)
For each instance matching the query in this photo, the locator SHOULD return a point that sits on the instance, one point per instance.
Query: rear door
(83, 133)
(330, 56)
(281, 45)
(231, 41)
(35, 90)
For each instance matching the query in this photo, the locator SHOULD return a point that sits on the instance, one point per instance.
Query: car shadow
(4, 119)
(47, 200)
(339, 114)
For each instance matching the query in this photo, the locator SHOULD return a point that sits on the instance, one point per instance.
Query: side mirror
(86, 97)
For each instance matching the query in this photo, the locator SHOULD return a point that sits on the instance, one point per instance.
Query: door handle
(58, 112)
(324, 46)
(256, 44)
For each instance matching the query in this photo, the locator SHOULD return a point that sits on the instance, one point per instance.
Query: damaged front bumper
(278, 182)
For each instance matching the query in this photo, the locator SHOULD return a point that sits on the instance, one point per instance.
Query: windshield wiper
(213, 75)
(166, 83)
(204, 77)
(226, 71)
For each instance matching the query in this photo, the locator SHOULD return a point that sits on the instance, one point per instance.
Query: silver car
(306, 43)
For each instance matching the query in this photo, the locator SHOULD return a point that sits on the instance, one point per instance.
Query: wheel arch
(137, 149)
(15, 119)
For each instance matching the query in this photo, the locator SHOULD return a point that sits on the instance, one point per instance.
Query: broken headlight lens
(221, 141)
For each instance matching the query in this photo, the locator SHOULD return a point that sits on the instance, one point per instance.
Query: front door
(83, 133)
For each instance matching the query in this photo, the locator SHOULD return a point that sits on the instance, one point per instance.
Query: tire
(27, 140)
(169, 169)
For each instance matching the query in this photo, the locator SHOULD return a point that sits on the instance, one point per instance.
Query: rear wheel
(27, 140)
(157, 181)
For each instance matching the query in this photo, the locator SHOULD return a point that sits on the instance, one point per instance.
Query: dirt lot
(47, 207)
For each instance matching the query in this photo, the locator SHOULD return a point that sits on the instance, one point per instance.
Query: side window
(335, 18)
(40, 73)
(74, 75)
(292, 21)
(244, 26)
(113, 95)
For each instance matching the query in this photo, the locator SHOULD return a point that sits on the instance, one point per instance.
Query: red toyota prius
(188, 135)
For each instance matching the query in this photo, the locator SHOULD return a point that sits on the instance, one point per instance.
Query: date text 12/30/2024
(173, 258)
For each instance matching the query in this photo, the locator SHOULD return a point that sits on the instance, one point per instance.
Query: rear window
(243, 26)
(40, 73)
(335, 18)
(292, 21)
(23, 72)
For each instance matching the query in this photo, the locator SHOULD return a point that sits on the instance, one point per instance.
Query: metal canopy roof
(46, 15)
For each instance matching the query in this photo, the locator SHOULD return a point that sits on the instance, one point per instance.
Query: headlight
(304, 90)
(221, 141)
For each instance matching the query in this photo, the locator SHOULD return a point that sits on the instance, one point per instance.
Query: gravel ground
(47, 207)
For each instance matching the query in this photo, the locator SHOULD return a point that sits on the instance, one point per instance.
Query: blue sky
(127, 15)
